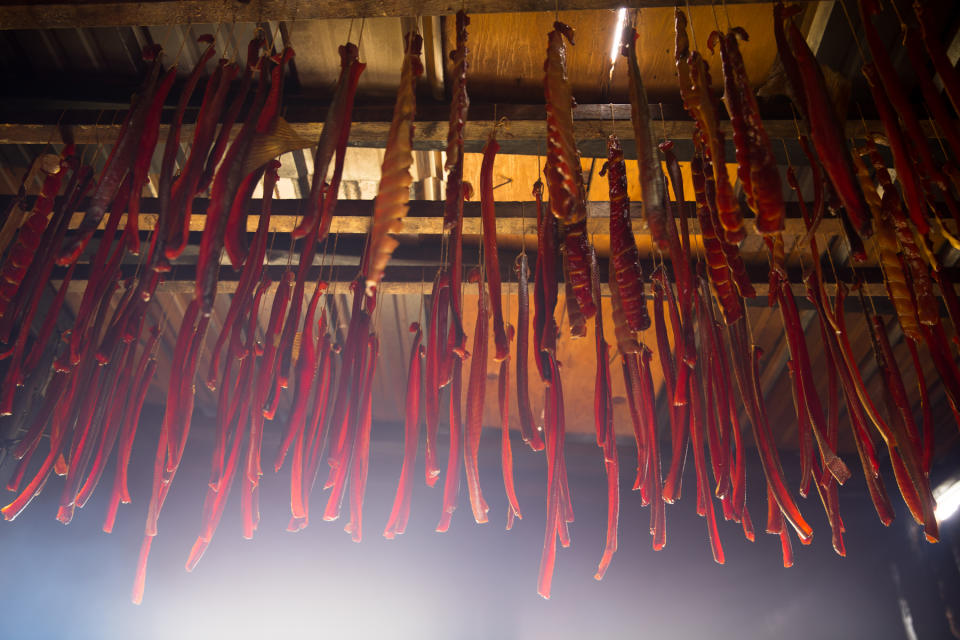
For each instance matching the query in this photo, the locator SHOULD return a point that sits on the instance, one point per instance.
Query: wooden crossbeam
(93, 13)
(425, 217)
(396, 288)
(432, 134)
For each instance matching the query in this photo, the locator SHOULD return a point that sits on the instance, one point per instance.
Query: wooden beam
(19, 14)
(432, 135)
(425, 217)
(395, 288)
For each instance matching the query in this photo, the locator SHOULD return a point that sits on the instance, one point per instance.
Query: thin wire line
(853, 32)
(693, 32)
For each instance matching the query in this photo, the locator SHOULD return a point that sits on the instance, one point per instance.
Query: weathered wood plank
(25, 15)
(416, 288)
(433, 134)
(425, 218)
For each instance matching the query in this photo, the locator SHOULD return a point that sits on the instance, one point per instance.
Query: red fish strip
(938, 54)
(459, 107)
(563, 172)
(336, 128)
(558, 511)
(658, 520)
(101, 271)
(476, 390)
(623, 246)
(43, 269)
(225, 226)
(744, 369)
(528, 430)
(391, 203)
(491, 258)
(265, 380)
(121, 159)
(451, 483)
(147, 369)
(349, 424)
(678, 414)
(36, 277)
(603, 421)
(697, 426)
(718, 270)
(400, 511)
(361, 448)
(313, 439)
(306, 368)
(827, 133)
(251, 274)
(111, 424)
(901, 420)
(187, 185)
(699, 100)
(906, 170)
(436, 348)
(506, 453)
(351, 368)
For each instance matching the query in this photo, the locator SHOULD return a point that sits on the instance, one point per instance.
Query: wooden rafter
(416, 287)
(84, 13)
(433, 134)
(425, 217)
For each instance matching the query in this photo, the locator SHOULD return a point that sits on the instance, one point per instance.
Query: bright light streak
(947, 496)
(617, 35)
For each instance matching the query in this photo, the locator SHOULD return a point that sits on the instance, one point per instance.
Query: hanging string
(274, 35)
(333, 256)
(935, 129)
(53, 132)
(273, 241)
(716, 21)
(363, 21)
(96, 138)
(523, 230)
(293, 242)
(746, 319)
(421, 315)
(323, 257)
(183, 42)
(216, 38)
(142, 255)
(663, 123)
(375, 320)
(863, 122)
(162, 325)
(509, 294)
(833, 267)
(693, 32)
(727, 15)
(883, 271)
(233, 41)
(903, 25)
(853, 31)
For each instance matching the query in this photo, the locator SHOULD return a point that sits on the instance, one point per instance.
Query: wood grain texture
(499, 77)
(92, 13)
(433, 134)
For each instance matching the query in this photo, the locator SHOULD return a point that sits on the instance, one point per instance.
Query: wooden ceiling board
(318, 61)
(507, 51)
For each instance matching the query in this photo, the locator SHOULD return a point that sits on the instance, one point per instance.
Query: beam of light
(618, 34)
(947, 496)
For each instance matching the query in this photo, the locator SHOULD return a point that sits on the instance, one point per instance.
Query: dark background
(475, 581)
